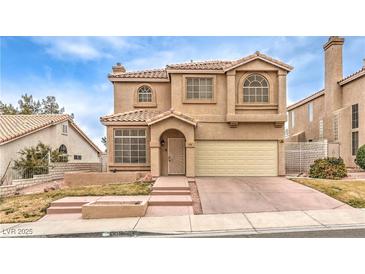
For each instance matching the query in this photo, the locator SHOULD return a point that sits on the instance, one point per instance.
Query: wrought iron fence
(29, 172)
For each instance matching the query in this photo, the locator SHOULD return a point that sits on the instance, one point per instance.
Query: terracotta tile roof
(14, 126)
(203, 65)
(171, 113)
(353, 76)
(258, 54)
(306, 99)
(153, 73)
(140, 115)
(218, 65)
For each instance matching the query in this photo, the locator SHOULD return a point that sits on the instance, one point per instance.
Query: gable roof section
(306, 100)
(352, 77)
(171, 113)
(13, 127)
(216, 66)
(259, 56)
(139, 115)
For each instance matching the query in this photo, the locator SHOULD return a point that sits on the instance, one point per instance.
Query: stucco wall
(302, 123)
(353, 93)
(124, 95)
(53, 137)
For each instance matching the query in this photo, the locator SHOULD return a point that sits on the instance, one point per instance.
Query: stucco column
(281, 160)
(155, 159)
(282, 92)
(190, 159)
(231, 93)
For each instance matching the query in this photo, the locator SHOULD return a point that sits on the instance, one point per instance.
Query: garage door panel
(236, 158)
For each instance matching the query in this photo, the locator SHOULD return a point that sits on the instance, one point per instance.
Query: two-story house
(335, 113)
(212, 118)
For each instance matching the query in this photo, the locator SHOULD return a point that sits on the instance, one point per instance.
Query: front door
(176, 156)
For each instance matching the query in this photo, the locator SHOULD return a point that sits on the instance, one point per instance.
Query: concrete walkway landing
(171, 183)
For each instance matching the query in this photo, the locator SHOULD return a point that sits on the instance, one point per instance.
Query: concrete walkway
(248, 223)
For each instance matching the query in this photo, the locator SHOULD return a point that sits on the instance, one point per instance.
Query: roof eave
(285, 67)
(132, 79)
(351, 78)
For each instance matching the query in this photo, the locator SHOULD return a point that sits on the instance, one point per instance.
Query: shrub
(360, 157)
(329, 168)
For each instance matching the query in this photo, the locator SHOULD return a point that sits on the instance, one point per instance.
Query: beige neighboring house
(57, 130)
(210, 118)
(336, 113)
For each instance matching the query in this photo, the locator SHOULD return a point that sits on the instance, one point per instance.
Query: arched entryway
(172, 153)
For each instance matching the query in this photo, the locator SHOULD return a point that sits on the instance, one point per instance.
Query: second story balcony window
(255, 89)
(144, 94)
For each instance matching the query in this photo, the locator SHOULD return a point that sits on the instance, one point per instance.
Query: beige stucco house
(59, 131)
(335, 113)
(211, 118)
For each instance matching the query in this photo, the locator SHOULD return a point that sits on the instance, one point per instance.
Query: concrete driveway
(260, 194)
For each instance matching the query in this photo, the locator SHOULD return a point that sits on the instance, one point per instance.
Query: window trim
(356, 121)
(186, 100)
(241, 89)
(138, 104)
(292, 119)
(147, 137)
(64, 126)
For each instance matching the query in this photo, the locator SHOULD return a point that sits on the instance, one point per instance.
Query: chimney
(118, 68)
(363, 63)
(333, 72)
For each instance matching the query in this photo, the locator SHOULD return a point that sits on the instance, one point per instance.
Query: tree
(103, 140)
(50, 106)
(34, 160)
(6, 109)
(29, 106)
(360, 157)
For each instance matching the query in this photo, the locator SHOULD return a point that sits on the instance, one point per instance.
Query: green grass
(29, 208)
(351, 192)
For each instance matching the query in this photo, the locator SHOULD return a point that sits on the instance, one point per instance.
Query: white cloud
(84, 48)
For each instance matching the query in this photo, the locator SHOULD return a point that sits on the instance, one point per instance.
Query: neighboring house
(336, 113)
(58, 131)
(212, 118)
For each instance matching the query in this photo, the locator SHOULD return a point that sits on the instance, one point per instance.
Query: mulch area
(197, 206)
(40, 187)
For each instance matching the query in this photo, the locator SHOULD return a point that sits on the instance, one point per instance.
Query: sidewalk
(248, 223)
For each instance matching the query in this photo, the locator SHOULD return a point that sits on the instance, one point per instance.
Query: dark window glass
(355, 116)
(355, 142)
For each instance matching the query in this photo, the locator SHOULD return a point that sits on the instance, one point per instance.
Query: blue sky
(74, 69)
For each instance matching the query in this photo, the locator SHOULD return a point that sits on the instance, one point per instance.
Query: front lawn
(351, 192)
(29, 208)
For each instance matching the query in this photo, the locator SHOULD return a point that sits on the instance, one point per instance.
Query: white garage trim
(236, 158)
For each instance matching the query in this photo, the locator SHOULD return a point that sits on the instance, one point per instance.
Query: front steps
(171, 191)
(169, 196)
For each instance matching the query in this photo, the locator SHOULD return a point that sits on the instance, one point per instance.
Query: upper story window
(310, 112)
(64, 129)
(335, 127)
(355, 116)
(144, 94)
(255, 89)
(292, 119)
(321, 129)
(199, 88)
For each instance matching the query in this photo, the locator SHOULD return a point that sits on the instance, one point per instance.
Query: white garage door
(236, 158)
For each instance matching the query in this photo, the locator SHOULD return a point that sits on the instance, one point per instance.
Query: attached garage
(236, 158)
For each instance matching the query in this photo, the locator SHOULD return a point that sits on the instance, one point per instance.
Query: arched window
(255, 89)
(62, 149)
(144, 94)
